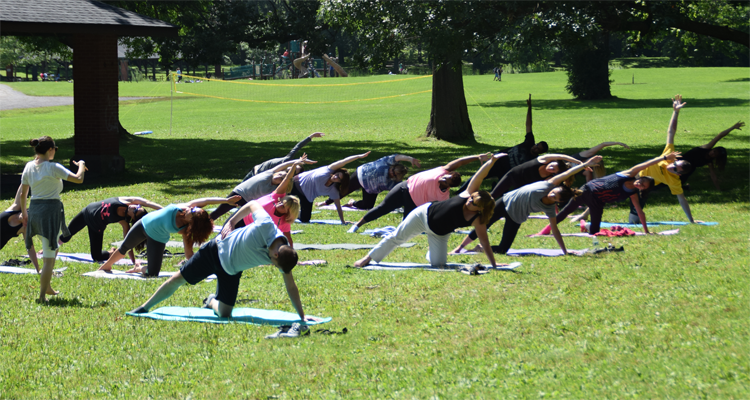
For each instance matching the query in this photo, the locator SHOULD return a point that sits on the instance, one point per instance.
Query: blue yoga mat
(252, 316)
(653, 224)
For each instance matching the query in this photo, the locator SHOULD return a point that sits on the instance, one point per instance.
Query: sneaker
(207, 300)
(353, 229)
(296, 330)
(282, 329)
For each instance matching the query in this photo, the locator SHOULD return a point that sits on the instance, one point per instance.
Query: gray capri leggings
(154, 249)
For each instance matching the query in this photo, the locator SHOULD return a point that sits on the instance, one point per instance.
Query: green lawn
(668, 318)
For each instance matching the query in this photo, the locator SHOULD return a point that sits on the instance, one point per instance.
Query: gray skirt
(46, 218)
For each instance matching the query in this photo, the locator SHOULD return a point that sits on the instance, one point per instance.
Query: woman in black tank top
(538, 169)
(97, 215)
(439, 219)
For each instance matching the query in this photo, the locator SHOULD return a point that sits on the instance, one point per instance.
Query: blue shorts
(206, 262)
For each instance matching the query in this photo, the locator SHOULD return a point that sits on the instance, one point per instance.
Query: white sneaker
(282, 329)
(296, 330)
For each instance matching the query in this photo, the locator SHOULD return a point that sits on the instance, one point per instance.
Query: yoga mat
(586, 235)
(380, 232)
(396, 266)
(529, 252)
(320, 222)
(171, 243)
(345, 207)
(116, 274)
(4, 269)
(313, 262)
(252, 316)
(217, 229)
(86, 258)
(655, 223)
(340, 246)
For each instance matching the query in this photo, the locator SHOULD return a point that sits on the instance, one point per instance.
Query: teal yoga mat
(252, 316)
(654, 224)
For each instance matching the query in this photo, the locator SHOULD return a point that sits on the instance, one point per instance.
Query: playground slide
(335, 66)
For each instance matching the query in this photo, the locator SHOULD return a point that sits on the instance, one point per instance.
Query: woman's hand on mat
(317, 134)
(697, 221)
(312, 319)
(234, 199)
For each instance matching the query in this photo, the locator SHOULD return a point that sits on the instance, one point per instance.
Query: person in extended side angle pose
(331, 180)
(188, 219)
(11, 225)
(472, 207)
(515, 207)
(667, 172)
(282, 207)
(258, 186)
(45, 215)
(375, 177)
(228, 255)
(421, 188)
(518, 154)
(707, 154)
(275, 162)
(613, 188)
(97, 215)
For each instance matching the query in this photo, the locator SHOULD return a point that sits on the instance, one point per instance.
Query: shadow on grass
(75, 302)
(738, 80)
(618, 103)
(191, 167)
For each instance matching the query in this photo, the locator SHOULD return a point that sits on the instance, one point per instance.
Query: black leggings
(154, 249)
(224, 208)
(305, 205)
(510, 230)
(398, 197)
(596, 209)
(96, 238)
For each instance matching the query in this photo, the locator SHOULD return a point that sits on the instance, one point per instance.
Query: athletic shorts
(206, 262)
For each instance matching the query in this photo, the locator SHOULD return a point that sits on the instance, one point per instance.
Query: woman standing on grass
(515, 207)
(331, 180)
(439, 219)
(187, 219)
(97, 215)
(45, 215)
(714, 157)
(282, 208)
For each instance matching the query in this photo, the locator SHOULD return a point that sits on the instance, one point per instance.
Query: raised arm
(249, 208)
(559, 179)
(141, 201)
(414, 162)
(289, 163)
(592, 151)
(78, 176)
(476, 181)
(528, 115)
(283, 187)
(555, 157)
(460, 162)
(211, 200)
(712, 143)
(302, 144)
(671, 157)
(677, 105)
(341, 163)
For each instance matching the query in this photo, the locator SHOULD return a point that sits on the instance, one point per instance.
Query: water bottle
(595, 242)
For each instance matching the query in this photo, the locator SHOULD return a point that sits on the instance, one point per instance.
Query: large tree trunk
(588, 69)
(449, 117)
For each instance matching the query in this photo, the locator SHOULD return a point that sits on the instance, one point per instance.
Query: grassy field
(668, 318)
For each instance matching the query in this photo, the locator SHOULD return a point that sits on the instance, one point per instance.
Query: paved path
(11, 99)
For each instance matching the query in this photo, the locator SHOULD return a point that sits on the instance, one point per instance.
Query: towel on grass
(5, 269)
(340, 246)
(586, 235)
(313, 262)
(252, 316)
(395, 266)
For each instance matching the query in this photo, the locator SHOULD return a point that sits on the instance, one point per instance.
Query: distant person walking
(500, 74)
(497, 74)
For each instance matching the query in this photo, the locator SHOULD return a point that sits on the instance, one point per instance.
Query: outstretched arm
(141, 201)
(460, 162)
(211, 200)
(712, 143)
(556, 233)
(685, 207)
(677, 105)
(302, 144)
(481, 230)
(639, 210)
(671, 157)
(476, 181)
(714, 177)
(559, 179)
(78, 176)
(592, 151)
(341, 163)
(283, 187)
(289, 163)
(414, 162)
(555, 157)
(528, 115)
(244, 211)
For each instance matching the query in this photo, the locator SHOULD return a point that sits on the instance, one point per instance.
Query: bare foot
(52, 292)
(103, 268)
(42, 301)
(320, 204)
(478, 248)
(457, 250)
(363, 262)
(136, 270)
